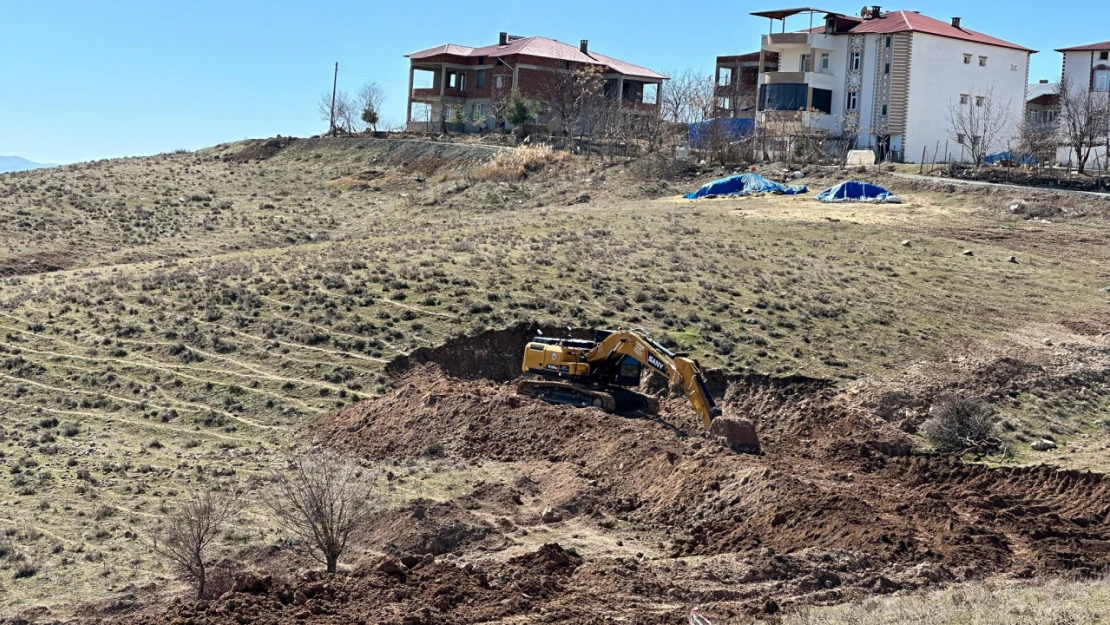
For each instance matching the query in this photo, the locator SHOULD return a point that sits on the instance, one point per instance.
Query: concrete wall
(939, 75)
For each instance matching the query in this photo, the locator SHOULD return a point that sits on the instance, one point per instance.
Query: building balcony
(817, 80)
(785, 39)
(433, 93)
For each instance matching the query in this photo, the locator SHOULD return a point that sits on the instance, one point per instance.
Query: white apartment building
(1087, 71)
(892, 77)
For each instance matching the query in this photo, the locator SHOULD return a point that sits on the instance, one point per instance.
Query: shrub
(516, 165)
(959, 424)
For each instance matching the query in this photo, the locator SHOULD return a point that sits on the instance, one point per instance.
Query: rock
(251, 583)
(410, 560)
(736, 434)
(968, 253)
(551, 515)
(1013, 259)
(272, 143)
(390, 566)
(581, 198)
(798, 175)
(907, 243)
(1043, 445)
(299, 598)
(1047, 342)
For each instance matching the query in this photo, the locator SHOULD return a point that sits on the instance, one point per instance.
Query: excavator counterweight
(601, 373)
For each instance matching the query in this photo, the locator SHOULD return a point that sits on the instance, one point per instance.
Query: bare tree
(500, 96)
(323, 502)
(371, 96)
(689, 97)
(190, 529)
(979, 123)
(343, 116)
(1039, 140)
(566, 94)
(1083, 119)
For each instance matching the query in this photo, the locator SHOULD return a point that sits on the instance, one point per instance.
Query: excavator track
(614, 400)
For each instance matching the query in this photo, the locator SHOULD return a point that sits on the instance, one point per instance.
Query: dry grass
(518, 164)
(1053, 603)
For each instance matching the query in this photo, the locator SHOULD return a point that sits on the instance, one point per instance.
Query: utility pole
(334, 81)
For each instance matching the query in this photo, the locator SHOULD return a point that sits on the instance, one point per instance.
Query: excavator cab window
(628, 372)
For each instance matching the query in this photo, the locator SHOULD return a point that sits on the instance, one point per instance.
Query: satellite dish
(864, 12)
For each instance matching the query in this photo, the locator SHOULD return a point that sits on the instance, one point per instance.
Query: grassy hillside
(169, 320)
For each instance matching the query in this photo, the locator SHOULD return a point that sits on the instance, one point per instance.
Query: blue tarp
(1005, 157)
(856, 191)
(744, 184)
(731, 128)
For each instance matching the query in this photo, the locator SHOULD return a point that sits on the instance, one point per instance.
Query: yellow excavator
(602, 373)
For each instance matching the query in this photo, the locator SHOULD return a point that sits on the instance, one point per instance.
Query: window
(499, 82)
(724, 102)
(824, 61)
(1102, 80)
(967, 59)
(960, 138)
(885, 111)
(982, 61)
(480, 78)
(1033, 117)
(886, 68)
(822, 100)
(724, 76)
(964, 98)
(456, 80)
(889, 40)
(650, 93)
(479, 112)
(805, 64)
(853, 101)
(979, 100)
(1104, 55)
(855, 61)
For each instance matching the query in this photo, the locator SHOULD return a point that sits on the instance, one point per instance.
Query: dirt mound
(260, 150)
(831, 478)
(493, 355)
(428, 527)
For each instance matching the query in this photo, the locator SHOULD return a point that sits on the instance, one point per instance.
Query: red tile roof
(1091, 47)
(910, 21)
(541, 47)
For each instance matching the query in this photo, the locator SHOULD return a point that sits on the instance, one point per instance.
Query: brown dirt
(836, 508)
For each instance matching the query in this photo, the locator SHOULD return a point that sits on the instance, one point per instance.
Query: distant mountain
(14, 163)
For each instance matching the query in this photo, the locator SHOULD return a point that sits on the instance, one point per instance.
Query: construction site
(585, 398)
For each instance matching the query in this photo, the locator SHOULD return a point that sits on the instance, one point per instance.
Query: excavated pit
(836, 508)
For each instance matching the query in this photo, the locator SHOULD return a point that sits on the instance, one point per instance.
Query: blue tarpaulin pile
(856, 191)
(744, 184)
(1008, 157)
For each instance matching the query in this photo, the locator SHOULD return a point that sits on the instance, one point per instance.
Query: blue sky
(84, 80)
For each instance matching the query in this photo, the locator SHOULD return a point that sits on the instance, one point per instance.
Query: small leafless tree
(371, 96)
(189, 530)
(324, 501)
(343, 117)
(499, 99)
(1039, 139)
(980, 123)
(1083, 119)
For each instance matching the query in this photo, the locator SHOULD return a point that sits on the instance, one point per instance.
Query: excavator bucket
(736, 434)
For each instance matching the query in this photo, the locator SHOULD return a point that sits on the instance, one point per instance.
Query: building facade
(736, 83)
(478, 81)
(889, 81)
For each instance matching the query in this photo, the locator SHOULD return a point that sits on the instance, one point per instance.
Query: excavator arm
(682, 372)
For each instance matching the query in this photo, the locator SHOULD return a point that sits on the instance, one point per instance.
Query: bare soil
(837, 509)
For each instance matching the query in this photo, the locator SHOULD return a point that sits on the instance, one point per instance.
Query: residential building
(889, 80)
(1042, 102)
(478, 80)
(1087, 68)
(736, 83)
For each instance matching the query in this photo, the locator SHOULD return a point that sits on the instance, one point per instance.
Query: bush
(516, 165)
(959, 424)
